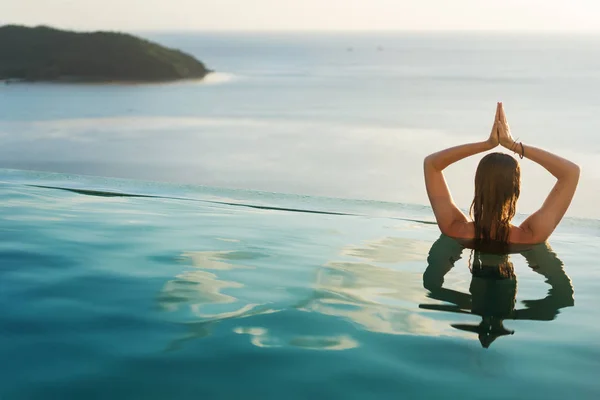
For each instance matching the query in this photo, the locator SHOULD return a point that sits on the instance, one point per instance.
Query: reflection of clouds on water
(205, 298)
(371, 285)
(260, 337)
(200, 288)
(367, 283)
(379, 299)
(324, 342)
(195, 289)
(390, 250)
(208, 299)
(201, 328)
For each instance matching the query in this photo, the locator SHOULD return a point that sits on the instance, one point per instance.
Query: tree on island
(46, 54)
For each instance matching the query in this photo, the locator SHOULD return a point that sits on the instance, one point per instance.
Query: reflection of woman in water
(497, 188)
(493, 287)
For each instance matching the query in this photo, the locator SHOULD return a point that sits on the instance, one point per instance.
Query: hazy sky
(544, 15)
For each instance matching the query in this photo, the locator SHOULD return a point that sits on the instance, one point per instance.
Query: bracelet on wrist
(522, 150)
(514, 148)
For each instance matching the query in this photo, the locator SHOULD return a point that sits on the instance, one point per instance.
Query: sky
(306, 15)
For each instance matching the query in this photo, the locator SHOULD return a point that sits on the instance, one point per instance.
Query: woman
(497, 188)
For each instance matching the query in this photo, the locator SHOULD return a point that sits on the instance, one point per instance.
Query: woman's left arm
(448, 216)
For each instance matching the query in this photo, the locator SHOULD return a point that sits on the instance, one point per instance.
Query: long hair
(497, 189)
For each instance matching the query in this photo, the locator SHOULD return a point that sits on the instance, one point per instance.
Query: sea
(264, 233)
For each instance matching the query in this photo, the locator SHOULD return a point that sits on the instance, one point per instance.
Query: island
(50, 55)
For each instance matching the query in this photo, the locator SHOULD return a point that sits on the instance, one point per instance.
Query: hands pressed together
(500, 134)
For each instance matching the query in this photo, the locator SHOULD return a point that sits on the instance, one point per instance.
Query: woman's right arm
(540, 225)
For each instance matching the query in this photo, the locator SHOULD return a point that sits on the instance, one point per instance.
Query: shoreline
(99, 81)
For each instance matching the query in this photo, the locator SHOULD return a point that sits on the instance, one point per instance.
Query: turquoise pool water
(198, 292)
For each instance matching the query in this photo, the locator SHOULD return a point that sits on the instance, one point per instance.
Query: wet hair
(497, 189)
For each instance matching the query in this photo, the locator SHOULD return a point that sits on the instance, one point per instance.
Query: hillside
(47, 54)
